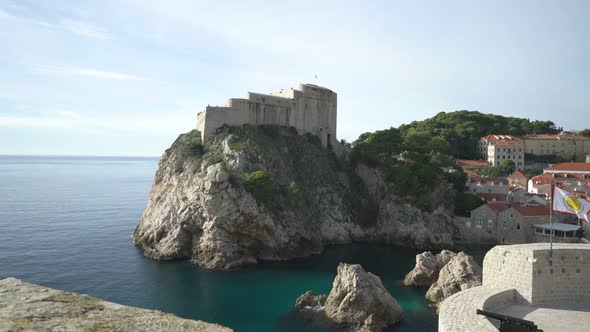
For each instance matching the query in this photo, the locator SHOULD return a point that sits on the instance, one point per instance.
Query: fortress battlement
(311, 109)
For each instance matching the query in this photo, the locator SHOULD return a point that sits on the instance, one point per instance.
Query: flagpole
(551, 219)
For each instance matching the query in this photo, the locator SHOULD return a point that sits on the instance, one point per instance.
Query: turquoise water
(67, 223)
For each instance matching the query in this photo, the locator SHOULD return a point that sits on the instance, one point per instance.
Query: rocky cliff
(28, 307)
(267, 193)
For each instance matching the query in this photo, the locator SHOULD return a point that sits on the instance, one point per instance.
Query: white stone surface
(528, 281)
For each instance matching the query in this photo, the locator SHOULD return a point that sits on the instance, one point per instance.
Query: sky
(126, 77)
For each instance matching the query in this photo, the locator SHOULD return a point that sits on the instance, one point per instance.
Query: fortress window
(518, 227)
(321, 129)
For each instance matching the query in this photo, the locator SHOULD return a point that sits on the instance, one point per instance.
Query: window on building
(468, 224)
(478, 223)
(504, 224)
(517, 226)
(490, 223)
(511, 215)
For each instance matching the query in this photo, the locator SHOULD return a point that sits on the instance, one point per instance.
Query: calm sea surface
(66, 223)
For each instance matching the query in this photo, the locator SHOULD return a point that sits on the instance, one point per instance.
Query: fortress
(309, 109)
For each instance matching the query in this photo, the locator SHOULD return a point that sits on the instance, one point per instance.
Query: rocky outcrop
(266, 193)
(310, 300)
(404, 224)
(28, 307)
(427, 268)
(460, 273)
(201, 207)
(358, 298)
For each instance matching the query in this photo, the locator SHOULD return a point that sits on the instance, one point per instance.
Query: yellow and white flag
(566, 202)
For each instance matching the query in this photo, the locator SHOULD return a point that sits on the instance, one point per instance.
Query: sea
(67, 222)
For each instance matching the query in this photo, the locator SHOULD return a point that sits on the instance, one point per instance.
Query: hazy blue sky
(125, 77)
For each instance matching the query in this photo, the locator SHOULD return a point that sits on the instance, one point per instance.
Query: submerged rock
(460, 273)
(359, 299)
(427, 268)
(28, 307)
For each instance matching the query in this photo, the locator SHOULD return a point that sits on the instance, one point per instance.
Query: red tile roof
(472, 175)
(472, 163)
(508, 143)
(532, 210)
(517, 175)
(570, 167)
(498, 207)
(544, 178)
(501, 138)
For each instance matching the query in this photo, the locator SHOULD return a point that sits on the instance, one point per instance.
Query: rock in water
(28, 307)
(427, 268)
(460, 273)
(359, 299)
(310, 300)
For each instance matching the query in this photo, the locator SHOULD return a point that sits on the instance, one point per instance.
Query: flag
(566, 202)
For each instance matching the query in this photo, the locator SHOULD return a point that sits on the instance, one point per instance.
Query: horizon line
(74, 155)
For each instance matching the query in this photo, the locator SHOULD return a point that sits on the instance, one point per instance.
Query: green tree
(585, 132)
(465, 203)
(440, 144)
(507, 167)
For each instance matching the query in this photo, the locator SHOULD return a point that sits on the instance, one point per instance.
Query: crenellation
(310, 109)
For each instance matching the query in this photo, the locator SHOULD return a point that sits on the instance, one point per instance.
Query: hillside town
(516, 208)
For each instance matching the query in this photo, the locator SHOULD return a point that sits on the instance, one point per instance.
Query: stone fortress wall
(525, 274)
(310, 109)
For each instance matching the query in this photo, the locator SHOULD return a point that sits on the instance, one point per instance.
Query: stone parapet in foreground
(28, 307)
(525, 276)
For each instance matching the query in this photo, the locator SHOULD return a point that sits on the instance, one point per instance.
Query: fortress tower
(309, 109)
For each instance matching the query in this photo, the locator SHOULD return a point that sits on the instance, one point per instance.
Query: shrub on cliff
(260, 185)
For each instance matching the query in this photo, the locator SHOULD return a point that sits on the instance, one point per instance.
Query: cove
(67, 224)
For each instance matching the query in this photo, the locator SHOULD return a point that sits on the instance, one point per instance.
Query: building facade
(496, 148)
(565, 145)
(309, 109)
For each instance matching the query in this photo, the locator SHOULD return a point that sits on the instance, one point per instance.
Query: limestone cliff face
(200, 206)
(267, 193)
(404, 224)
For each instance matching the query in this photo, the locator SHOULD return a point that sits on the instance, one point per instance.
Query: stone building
(309, 109)
(510, 223)
(488, 189)
(565, 145)
(496, 148)
(517, 179)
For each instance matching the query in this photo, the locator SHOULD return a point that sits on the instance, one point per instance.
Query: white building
(496, 148)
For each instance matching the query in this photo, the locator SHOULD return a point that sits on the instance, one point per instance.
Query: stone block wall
(539, 276)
